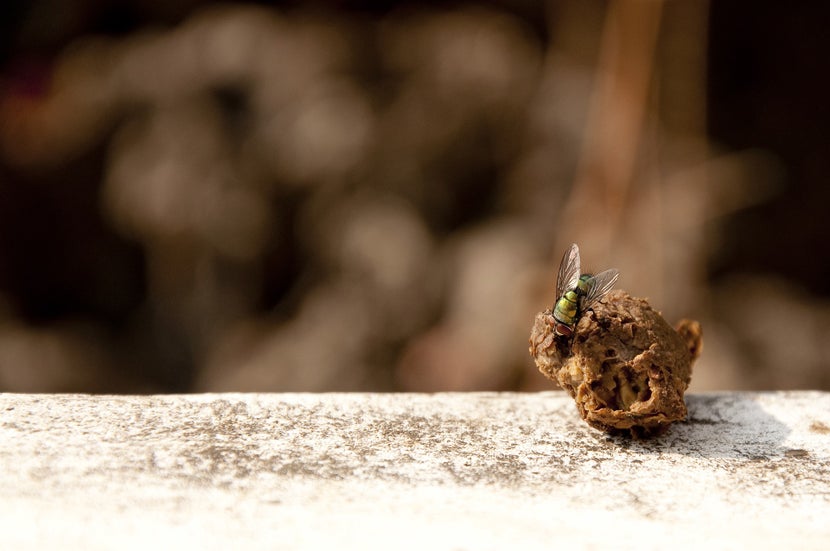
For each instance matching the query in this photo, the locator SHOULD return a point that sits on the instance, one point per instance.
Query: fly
(577, 292)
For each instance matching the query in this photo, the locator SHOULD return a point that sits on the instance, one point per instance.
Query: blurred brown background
(375, 196)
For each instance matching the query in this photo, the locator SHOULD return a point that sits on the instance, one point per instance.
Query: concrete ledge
(407, 471)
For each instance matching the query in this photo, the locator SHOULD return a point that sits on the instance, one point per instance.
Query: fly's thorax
(582, 284)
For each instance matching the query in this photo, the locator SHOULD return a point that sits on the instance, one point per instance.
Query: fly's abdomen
(566, 313)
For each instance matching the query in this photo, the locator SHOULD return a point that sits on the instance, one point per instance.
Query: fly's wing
(598, 287)
(568, 271)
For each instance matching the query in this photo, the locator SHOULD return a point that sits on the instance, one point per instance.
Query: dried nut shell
(626, 367)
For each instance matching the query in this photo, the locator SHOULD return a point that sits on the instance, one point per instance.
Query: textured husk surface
(626, 368)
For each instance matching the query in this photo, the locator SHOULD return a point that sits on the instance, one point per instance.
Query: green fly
(577, 292)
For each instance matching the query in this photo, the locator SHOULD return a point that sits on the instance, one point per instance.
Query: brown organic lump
(625, 366)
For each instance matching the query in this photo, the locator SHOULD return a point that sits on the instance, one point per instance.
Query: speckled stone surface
(407, 471)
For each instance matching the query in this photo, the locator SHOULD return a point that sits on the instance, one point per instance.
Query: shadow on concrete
(726, 425)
